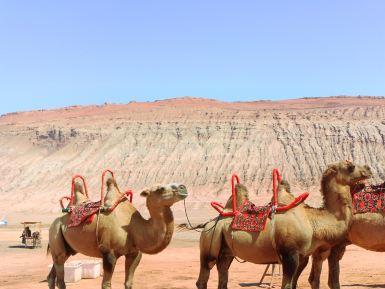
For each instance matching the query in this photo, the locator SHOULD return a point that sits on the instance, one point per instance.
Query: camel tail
(48, 250)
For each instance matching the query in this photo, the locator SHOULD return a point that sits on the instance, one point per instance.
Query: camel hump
(284, 184)
(78, 187)
(241, 189)
(111, 182)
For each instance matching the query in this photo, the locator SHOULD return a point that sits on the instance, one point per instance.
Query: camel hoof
(51, 283)
(61, 285)
(334, 285)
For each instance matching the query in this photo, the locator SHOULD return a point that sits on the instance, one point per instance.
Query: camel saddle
(251, 218)
(369, 199)
(83, 212)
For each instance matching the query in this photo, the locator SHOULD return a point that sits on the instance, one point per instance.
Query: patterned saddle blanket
(369, 199)
(83, 212)
(251, 218)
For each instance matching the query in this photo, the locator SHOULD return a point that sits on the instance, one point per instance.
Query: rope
(97, 227)
(194, 228)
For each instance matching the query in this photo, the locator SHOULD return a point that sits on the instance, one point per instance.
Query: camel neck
(337, 199)
(331, 223)
(158, 230)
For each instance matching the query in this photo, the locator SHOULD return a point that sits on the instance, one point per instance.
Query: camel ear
(145, 193)
(331, 171)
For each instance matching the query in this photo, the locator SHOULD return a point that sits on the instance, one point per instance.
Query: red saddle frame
(128, 194)
(274, 205)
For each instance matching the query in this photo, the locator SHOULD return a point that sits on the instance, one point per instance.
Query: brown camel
(290, 237)
(122, 232)
(367, 231)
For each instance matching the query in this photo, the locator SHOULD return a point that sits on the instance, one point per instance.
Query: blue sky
(59, 53)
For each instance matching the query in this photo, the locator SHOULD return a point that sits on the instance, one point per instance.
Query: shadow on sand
(259, 285)
(17, 247)
(365, 285)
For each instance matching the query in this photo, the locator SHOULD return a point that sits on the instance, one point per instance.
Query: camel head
(165, 195)
(337, 181)
(347, 173)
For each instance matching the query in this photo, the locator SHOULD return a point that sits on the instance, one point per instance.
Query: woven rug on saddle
(369, 199)
(251, 218)
(83, 212)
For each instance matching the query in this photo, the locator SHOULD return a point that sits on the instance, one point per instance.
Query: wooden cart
(31, 235)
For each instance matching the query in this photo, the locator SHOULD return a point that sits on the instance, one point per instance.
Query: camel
(367, 231)
(289, 237)
(122, 232)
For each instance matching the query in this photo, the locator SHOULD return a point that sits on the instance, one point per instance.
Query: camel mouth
(362, 180)
(182, 191)
(183, 194)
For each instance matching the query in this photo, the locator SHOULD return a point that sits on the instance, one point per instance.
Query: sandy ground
(176, 267)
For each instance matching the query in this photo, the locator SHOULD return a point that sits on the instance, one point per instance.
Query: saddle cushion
(251, 218)
(369, 199)
(82, 212)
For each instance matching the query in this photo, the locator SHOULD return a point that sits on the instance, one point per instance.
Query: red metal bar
(276, 179)
(62, 199)
(294, 203)
(129, 193)
(219, 208)
(234, 191)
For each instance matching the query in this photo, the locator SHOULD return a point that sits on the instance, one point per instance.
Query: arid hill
(199, 142)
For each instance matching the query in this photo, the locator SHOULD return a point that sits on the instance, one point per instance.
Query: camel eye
(160, 190)
(351, 168)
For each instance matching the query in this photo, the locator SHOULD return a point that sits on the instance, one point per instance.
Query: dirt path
(175, 268)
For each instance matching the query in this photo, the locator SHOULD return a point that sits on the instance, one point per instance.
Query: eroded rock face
(198, 142)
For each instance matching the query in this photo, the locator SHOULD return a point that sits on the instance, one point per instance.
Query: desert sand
(176, 267)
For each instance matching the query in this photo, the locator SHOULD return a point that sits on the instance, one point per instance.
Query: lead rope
(97, 227)
(194, 228)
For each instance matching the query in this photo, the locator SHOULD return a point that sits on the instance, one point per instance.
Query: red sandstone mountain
(198, 142)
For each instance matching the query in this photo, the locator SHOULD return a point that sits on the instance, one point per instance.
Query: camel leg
(60, 252)
(109, 262)
(316, 268)
(290, 260)
(334, 258)
(223, 264)
(204, 273)
(51, 278)
(210, 247)
(302, 265)
(132, 262)
(58, 270)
